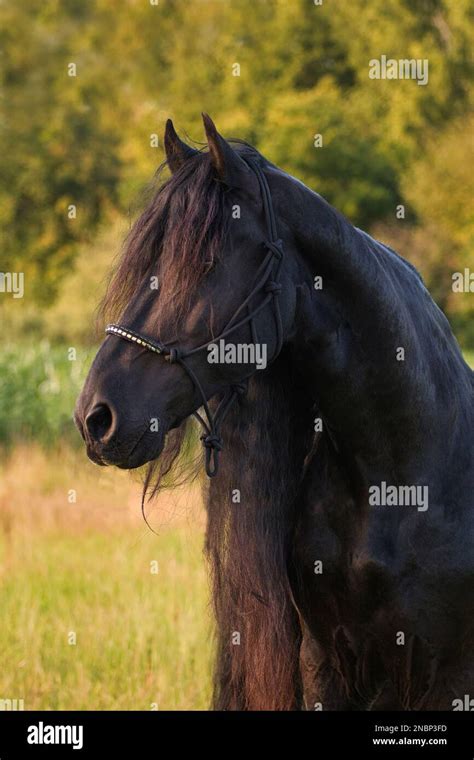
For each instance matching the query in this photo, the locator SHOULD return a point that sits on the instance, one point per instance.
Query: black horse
(340, 523)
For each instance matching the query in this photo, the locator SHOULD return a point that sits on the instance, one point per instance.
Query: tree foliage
(274, 72)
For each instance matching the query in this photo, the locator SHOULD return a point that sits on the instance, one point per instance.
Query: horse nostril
(99, 422)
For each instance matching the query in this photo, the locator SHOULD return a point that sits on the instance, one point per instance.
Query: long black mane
(178, 236)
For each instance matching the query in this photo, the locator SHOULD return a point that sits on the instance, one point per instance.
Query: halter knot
(273, 287)
(275, 246)
(213, 445)
(212, 441)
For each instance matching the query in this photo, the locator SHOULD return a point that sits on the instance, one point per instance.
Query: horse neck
(375, 351)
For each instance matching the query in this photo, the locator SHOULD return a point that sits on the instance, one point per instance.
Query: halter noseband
(271, 286)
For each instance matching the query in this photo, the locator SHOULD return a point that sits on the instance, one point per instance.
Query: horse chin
(145, 450)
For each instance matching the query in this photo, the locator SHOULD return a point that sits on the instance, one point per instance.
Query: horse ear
(228, 165)
(177, 152)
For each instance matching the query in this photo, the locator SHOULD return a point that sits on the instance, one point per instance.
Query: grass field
(143, 639)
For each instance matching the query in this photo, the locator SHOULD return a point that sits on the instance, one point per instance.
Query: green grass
(142, 638)
(38, 389)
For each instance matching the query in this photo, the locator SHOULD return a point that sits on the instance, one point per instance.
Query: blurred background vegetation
(93, 141)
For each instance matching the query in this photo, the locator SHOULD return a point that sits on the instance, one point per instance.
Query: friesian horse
(340, 522)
